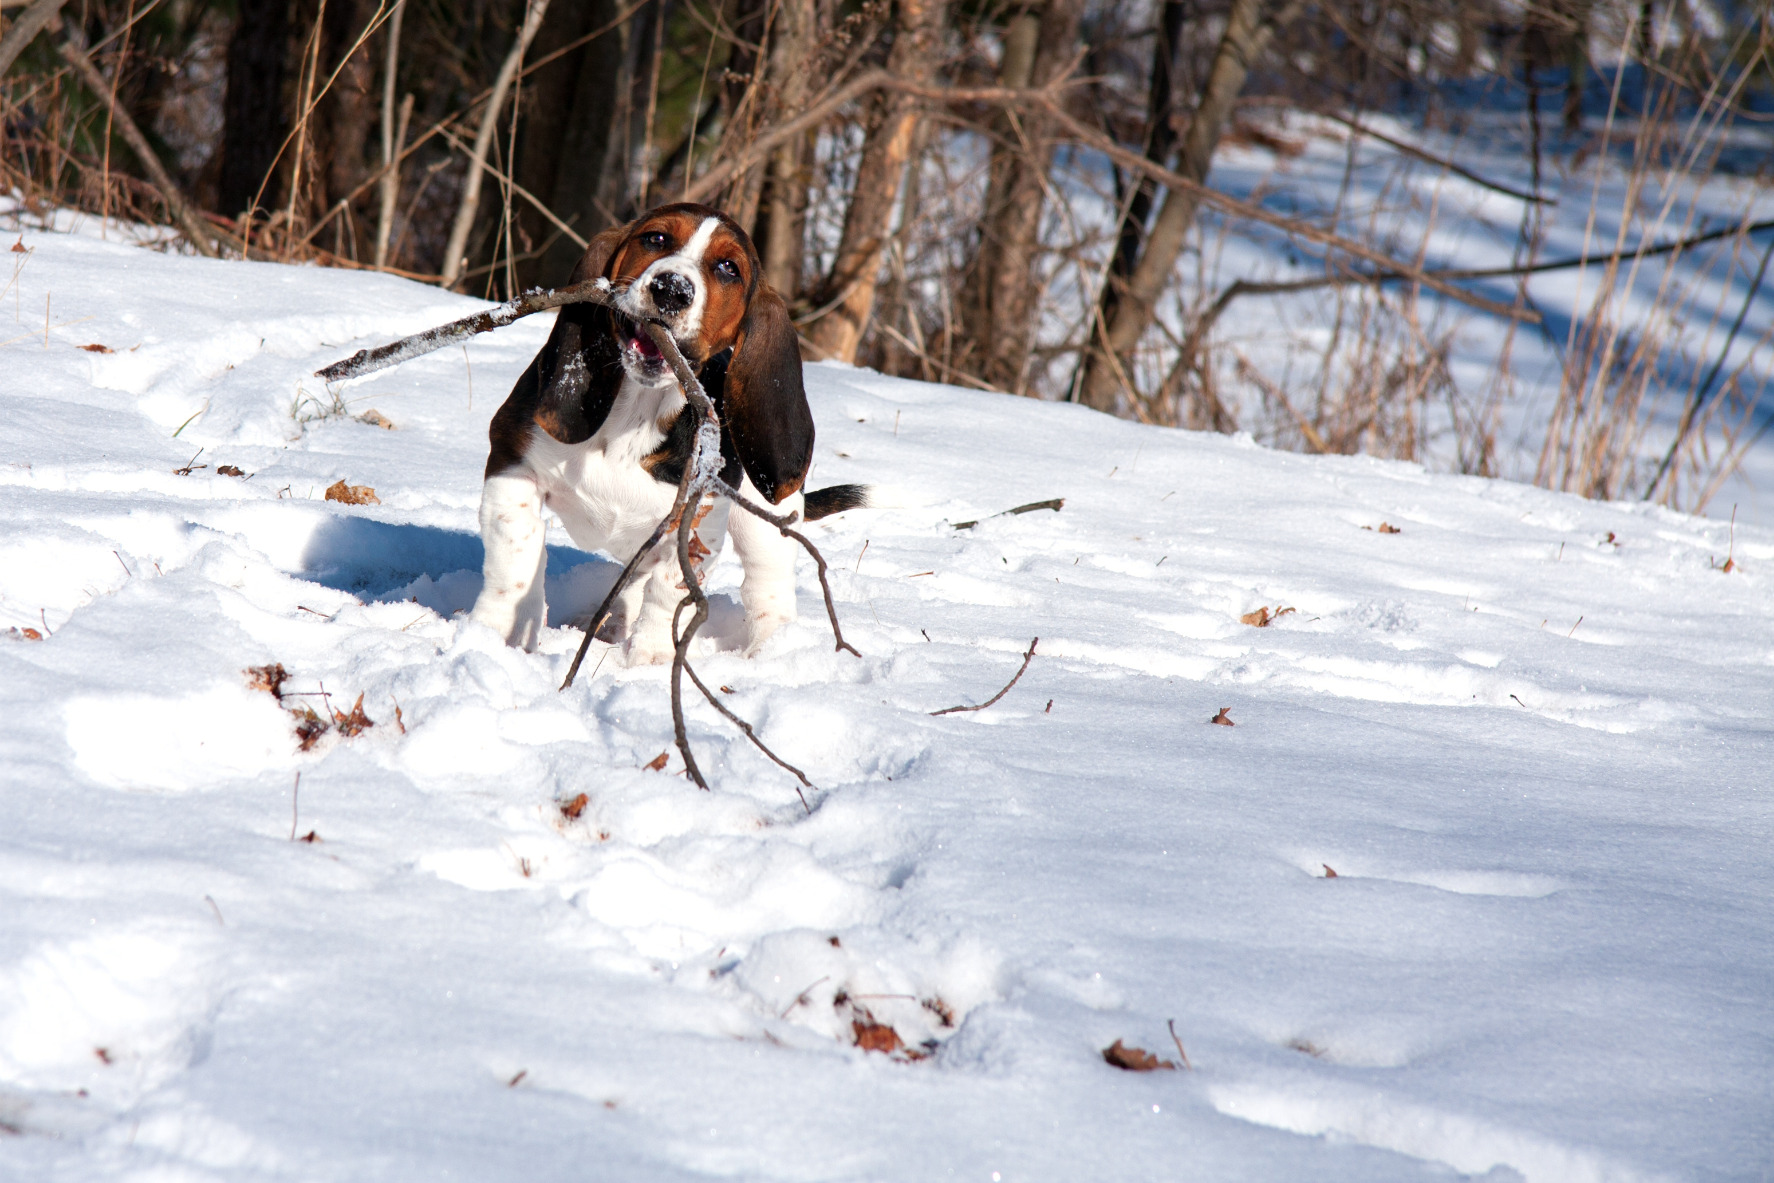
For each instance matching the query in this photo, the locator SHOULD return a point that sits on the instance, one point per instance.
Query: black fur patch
(834, 499)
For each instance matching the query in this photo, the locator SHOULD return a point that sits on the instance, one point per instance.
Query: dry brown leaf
(29, 634)
(945, 1014)
(309, 726)
(1264, 617)
(1389, 528)
(1328, 873)
(658, 762)
(103, 1053)
(229, 470)
(354, 722)
(19, 247)
(310, 837)
(575, 807)
(269, 678)
(352, 494)
(1134, 1059)
(95, 347)
(876, 1037)
(1223, 719)
(376, 419)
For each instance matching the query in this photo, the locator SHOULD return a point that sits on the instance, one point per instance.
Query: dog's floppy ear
(764, 403)
(597, 253)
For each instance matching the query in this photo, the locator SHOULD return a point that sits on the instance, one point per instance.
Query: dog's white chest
(599, 488)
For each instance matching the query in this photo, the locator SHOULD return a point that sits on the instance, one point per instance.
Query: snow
(1530, 733)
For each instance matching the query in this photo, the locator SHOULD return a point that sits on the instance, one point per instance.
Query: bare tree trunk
(564, 145)
(1160, 140)
(1005, 288)
(850, 288)
(780, 223)
(349, 108)
(1248, 33)
(252, 107)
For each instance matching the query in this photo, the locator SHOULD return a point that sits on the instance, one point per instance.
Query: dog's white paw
(649, 647)
(760, 628)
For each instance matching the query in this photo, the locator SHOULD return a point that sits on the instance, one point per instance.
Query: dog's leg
(768, 590)
(649, 642)
(511, 599)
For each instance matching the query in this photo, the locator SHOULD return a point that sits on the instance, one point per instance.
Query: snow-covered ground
(1530, 734)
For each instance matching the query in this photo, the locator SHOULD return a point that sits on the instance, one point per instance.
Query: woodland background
(1003, 195)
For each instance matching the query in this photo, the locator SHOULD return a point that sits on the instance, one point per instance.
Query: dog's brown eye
(655, 241)
(727, 269)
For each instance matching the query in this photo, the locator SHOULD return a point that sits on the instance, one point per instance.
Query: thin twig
(1172, 1024)
(1027, 657)
(753, 736)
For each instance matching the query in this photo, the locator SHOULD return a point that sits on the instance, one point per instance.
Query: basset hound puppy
(597, 429)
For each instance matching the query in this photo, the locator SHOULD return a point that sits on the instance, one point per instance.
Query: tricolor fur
(597, 430)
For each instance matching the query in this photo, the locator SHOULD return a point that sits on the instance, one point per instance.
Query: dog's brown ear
(764, 404)
(597, 253)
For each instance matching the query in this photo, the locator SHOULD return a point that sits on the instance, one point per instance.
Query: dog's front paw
(760, 628)
(649, 647)
(519, 629)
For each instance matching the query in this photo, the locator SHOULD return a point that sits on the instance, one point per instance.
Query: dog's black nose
(671, 292)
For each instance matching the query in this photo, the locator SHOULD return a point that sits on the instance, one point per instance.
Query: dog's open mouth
(637, 339)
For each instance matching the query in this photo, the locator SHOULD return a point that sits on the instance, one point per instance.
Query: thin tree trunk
(393, 138)
(1248, 33)
(1160, 140)
(780, 223)
(483, 140)
(33, 21)
(252, 107)
(1007, 288)
(857, 267)
(138, 143)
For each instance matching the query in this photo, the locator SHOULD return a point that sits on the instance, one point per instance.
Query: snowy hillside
(1530, 734)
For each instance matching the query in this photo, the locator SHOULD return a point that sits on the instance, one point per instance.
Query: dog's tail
(836, 499)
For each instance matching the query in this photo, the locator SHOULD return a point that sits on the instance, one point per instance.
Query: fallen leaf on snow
(309, 727)
(354, 722)
(1328, 873)
(575, 807)
(376, 419)
(1263, 617)
(352, 494)
(229, 470)
(25, 634)
(1134, 1059)
(1385, 528)
(95, 347)
(657, 762)
(269, 678)
(876, 1037)
(1223, 719)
